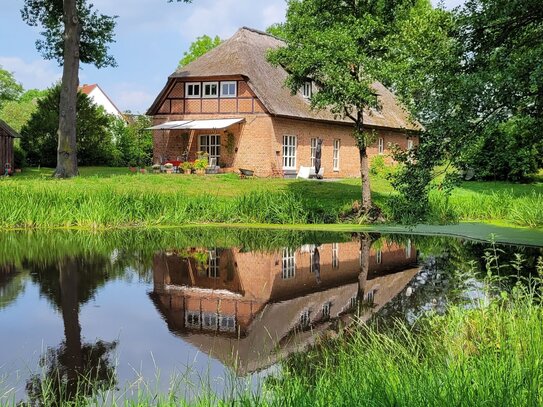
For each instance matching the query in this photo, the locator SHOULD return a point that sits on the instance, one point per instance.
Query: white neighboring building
(98, 96)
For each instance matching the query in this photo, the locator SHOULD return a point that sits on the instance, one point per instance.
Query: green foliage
(19, 156)
(380, 168)
(133, 144)
(39, 135)
(10, 89)
(96, 31)
(512, 151)
(277, 30)
(16, 113)
(473, 79)
(201, 163)
(199, 47)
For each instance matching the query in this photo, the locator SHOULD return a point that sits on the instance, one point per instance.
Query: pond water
(219, 306)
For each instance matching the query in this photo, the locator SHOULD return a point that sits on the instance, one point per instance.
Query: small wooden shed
(7, 137)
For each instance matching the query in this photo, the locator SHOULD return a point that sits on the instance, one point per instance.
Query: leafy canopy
(96, 31)
(199, 47)
(10, 89)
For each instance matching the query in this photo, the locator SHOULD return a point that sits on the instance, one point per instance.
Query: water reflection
(249, 309)
(241, 298)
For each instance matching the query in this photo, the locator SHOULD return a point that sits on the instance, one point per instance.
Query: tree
(471, 77)
(38, 136)
(73, 32)
(133, 142)
(199, 47)
(16, 113)
(340, 46)
(10, 89)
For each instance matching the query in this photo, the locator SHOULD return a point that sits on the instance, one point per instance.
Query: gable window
(192, 90)
(289, 152)
(211, 144)
(410, 144)
(228, 89)
(211, 89)
(313, 151)
(381, 145)
(306, 90)
(337, 144)
(335, 255)
(288, 268)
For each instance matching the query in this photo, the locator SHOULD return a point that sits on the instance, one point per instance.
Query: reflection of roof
(278, 323)
(245, 54)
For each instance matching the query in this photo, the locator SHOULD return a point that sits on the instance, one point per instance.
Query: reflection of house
(238, 306)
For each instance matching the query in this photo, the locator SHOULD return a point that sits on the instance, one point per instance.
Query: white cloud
(127, 96)
(34, 74)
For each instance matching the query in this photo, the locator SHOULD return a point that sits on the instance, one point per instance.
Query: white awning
(169, 125)
(211, 124)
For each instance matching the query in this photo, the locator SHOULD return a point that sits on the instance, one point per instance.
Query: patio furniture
(212, 168)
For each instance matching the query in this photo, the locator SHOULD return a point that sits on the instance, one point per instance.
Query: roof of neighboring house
(87, 89)
(245, 54)
(8, 130)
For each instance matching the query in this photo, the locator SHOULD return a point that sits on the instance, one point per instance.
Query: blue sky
(151, 36)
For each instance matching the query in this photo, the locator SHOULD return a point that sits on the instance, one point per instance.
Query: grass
(113, 197)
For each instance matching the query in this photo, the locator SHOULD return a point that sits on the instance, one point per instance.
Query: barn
(7, 137)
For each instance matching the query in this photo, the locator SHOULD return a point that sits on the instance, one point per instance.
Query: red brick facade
(257, 142)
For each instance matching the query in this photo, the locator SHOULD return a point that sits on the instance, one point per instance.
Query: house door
(211, 144)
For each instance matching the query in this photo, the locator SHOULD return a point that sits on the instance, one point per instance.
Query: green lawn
(103, 196)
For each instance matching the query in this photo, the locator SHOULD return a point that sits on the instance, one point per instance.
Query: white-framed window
(337, 145)
(209, 321)
(227, 323)
(327, 306)
(213, 264)
(211, 144)
(381, 145)
(335, 255)
(305, 318)
(193, 90)
(370, 297)
(289, 152)
(192, 319)
(353, 302)
(410, 144)
(306, 90)
(408, 249)
(229, 89)
(313, 151)
(378, 256)
(211, 89)
(288, 268)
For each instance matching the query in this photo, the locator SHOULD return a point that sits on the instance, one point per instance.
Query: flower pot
(200, 171)
(169, 170)
(187, 172)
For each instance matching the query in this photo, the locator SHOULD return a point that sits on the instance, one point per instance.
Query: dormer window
(211, 89)
(192, 90)
(306, 90)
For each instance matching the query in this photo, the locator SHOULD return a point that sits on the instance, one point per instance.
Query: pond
(220, 307)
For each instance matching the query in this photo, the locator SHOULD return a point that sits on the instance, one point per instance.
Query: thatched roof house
(235, 80)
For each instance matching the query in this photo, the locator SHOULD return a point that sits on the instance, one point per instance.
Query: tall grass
(523, 210)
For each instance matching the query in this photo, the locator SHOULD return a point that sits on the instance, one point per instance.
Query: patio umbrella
(318, 155)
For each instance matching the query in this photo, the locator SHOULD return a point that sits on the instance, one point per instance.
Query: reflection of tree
(12, 284)
(73, 368)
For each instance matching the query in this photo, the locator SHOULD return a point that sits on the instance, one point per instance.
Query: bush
(380, 168)
(19, 156)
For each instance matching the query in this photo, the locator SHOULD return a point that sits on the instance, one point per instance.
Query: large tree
(10, 89)
(340, 45)
(73, 32)
(473, 77)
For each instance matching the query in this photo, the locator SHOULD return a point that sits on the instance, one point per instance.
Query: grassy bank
(111, 197)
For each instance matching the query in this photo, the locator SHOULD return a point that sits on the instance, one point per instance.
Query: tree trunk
(67, 140)
(70, 315)
(364, 165)
(365, 247)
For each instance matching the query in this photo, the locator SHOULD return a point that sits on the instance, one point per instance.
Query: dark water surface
(221, 306)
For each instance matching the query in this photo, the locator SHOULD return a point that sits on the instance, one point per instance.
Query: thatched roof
(245, 54)
(6, 130)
